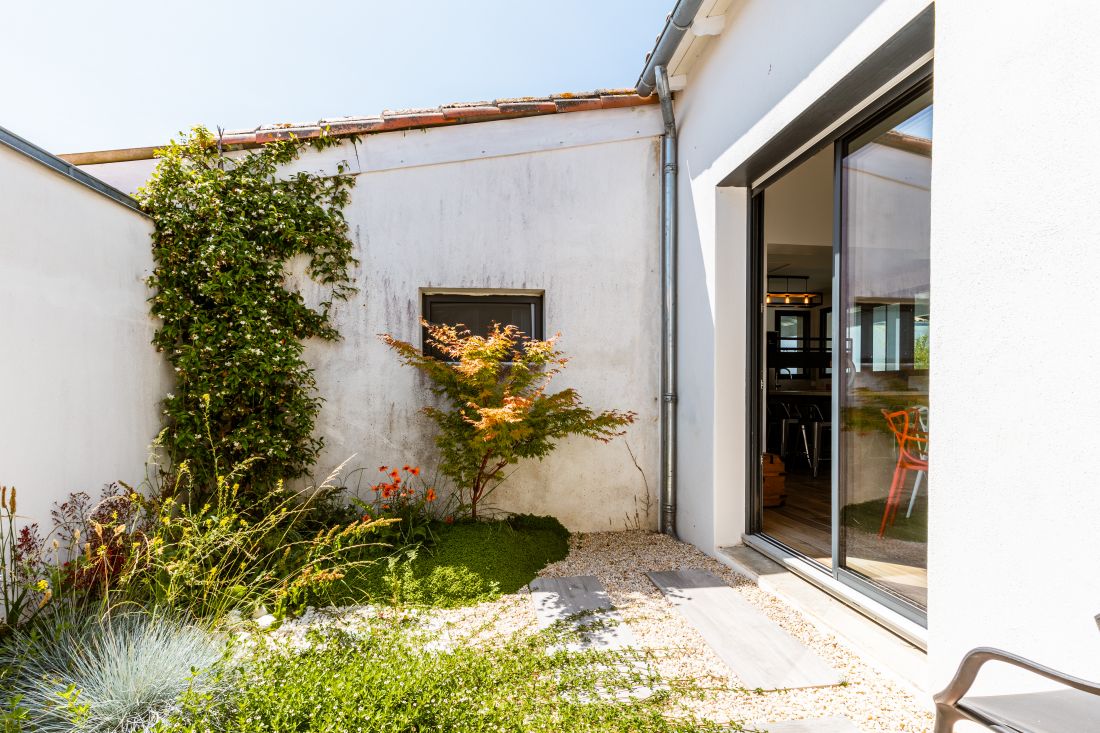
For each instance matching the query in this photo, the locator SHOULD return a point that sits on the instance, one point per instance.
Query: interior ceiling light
(791, 296)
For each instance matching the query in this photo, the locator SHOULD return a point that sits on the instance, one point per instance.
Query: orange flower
(415, 471)
(383, 469)
(394, 474)
(448, 520)
(405, 467)
(430, 496)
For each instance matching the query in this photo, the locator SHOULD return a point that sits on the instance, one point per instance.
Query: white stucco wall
(78, 407)
(505, 205)
(1013, 547)
(1012, 544)
(772, 60)
(565, 204)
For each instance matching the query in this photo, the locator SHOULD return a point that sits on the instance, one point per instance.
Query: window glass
(478, 313)
(884, 416)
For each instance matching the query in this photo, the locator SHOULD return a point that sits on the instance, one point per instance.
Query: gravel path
(620, 560)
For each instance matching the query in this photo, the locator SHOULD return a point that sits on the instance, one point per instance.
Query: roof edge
(395, 121)
(11, 140)
(676, 27)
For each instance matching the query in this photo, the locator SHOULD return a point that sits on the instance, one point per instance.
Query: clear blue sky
(95, 74)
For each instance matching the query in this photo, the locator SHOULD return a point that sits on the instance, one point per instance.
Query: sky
(85, 75)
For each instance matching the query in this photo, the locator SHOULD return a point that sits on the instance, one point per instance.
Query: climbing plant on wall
(232, 323)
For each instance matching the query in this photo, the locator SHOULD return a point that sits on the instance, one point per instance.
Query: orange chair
(912, 456)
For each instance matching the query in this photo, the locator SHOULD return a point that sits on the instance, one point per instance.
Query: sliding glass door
(839, 388)
(883, 415)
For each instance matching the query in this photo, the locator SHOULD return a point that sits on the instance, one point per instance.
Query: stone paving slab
(581, 602)
(760, 653)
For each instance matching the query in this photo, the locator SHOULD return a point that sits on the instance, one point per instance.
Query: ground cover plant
(469, 562)
(387, 679)
(500, 409)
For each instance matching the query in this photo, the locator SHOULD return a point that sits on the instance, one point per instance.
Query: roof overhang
(459, 113)
(687, 31)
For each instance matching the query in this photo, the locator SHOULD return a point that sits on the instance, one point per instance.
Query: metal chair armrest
(974, 659)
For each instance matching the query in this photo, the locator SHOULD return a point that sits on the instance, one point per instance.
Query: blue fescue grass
(120, 674)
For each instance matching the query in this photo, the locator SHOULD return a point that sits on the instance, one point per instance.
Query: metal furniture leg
(818, 426)
(916, 490)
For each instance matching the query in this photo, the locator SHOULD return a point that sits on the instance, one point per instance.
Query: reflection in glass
(884, 420)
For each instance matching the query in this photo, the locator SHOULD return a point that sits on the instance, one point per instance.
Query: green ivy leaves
(226, 227)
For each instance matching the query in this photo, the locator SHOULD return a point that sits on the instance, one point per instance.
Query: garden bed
(679, 655)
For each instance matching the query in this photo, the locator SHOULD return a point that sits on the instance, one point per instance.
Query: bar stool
(789, 417)
(818, 424)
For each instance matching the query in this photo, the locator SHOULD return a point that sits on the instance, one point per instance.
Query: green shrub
(117, 674)
(501, 410)
(385, 680)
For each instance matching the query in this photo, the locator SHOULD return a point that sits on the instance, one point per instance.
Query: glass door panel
(883, 389)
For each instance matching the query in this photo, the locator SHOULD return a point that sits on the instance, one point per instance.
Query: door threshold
(907, 629)
(889, 642)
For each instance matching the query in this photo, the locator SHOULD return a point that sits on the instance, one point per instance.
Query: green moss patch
(471, 562)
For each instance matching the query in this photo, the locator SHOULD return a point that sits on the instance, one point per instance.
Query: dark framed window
(793, 328)
(478, 313)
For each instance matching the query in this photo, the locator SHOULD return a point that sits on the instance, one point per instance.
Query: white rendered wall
(1014, 549)
(565, 204)
(774, 58)
(80, 380)
(578, 222)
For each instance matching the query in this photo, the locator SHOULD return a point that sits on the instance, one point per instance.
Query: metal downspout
(668, 306)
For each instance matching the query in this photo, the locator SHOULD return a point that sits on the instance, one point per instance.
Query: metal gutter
(29, 149)
(668, 305)
(679, 21)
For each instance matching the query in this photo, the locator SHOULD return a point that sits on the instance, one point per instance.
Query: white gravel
(620, 560)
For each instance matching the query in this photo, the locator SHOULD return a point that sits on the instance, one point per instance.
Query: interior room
(798, 262)
(878, 280)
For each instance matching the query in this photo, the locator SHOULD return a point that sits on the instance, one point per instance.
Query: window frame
(533, 299)
(804, 340)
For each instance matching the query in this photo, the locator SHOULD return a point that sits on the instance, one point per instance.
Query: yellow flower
(42, 586)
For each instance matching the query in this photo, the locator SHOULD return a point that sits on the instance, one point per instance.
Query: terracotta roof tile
(458, 113)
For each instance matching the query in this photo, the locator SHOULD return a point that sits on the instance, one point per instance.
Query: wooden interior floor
(804, 524)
